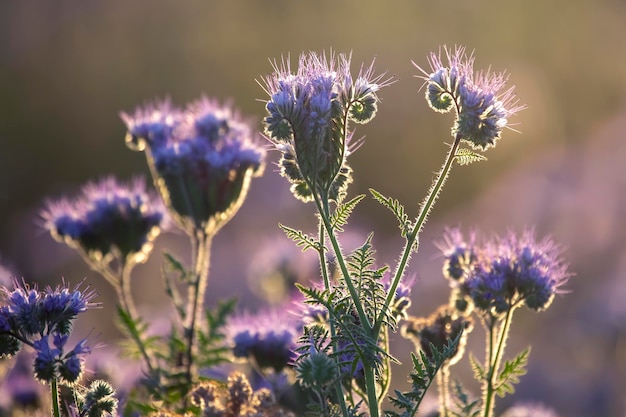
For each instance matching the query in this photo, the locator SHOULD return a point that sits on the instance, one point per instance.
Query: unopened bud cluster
(308, 116)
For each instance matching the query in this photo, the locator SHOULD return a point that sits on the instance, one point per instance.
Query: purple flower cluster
(107, 219)
(482, 104)
(308, 114)
(37, 318)
(201, 158)
(268, 338)
(504, 272)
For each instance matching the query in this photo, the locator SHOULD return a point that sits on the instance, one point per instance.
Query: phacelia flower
(308, 116)
(438, 329)
(202, 159)
(482, 102)
(269, 338)
(505, 272)
(29, 311)
(108, 219)
(53, 363)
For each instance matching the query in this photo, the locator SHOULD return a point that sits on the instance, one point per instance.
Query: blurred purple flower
(107, 219)
(202, 159)
(268, 337)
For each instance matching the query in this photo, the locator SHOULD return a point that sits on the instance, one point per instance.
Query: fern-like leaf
(423, 375)
(300, 238)
(479, 371)
(396, 208)
(511, 372)
(211, 350)
(466, 156)
(343, 211)
(462, 400)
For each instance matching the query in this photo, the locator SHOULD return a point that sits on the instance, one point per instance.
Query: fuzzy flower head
(108, 219)
(481, 99)
(268, 338)
(308, 116)
(54, 362)
(202, 159)
(437, 330)
(507, 272)
(30, 313)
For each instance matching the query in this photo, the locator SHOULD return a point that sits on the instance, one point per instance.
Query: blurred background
(67, 68)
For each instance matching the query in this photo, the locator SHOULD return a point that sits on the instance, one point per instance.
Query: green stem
(494, 359)
(443, 382)
(412, 237)
(195, 304)
(338, 387)
(54, 392)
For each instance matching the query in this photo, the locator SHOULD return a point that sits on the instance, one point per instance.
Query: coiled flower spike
(308, 116)
(483, 105)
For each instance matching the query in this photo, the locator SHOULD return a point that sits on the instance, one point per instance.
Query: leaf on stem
(511, 372)
(466, 156)
(301, 239)
(396, 208)
(342, 213)
(424, 370)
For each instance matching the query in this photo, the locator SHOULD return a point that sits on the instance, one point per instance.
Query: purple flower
(308, 114)
(508, 271)
(51, 363)
(482, 103)
(150, 125)
(107, 219)
(268, 338)
(201, 163)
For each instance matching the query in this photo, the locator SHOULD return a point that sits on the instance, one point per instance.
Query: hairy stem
(493, 359)
(202, 242)
(443, 384)
(54, 392)
(412, 237)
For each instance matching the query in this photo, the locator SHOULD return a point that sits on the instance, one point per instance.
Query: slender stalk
(494, 358)
(443, 383)
(54, 392)
(201, 241)
(412, 237)
(323, 265)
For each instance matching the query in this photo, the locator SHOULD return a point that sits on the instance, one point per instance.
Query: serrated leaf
(300, 238)
(466, 156)
(511, 372)
(396, 208)
(423, 375)
(479, 371)
(343, 211)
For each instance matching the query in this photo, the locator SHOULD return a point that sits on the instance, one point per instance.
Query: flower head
(202, 159)
(504, 272)
(437, 330)
(108, 219)
(308, 115)
(482, 102)
(268, 338)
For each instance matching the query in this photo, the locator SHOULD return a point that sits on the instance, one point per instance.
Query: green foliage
(301, 239)
(464, 405)
(136, 331)
(511, 372)
(396, 208)
(211, 349)
(342, 213)
(477, 368)
(423, 375)
(466, 156)
(172, 265)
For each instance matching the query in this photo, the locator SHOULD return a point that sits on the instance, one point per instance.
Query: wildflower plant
(330, 346)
